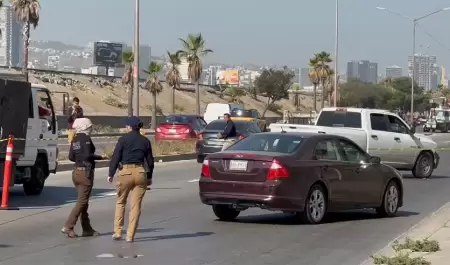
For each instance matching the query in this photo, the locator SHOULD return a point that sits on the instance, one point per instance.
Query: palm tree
(127, 79)
(296, 96)
(330, 85)
(173, 77)
(193, 50)
(27, 11)
(153, 84)
(314, 77)
(322, 67)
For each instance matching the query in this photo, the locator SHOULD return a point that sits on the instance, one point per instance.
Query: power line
(434, 38)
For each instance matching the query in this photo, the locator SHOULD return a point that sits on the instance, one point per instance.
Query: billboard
(230, 77)
(107, 53)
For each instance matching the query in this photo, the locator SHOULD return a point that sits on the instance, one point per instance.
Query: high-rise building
(304, 77)
(364, 70)
(11, 42)
(426, 71)
(443, 77)
(394, 71)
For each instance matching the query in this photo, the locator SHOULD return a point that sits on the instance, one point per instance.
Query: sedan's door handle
(374, 136)
(397, 138)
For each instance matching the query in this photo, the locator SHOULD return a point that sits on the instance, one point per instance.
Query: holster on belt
(120, 166)
(88, 169)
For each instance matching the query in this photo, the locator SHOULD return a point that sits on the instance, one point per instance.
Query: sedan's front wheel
(316, 205)
(391, 199)
(225, 212)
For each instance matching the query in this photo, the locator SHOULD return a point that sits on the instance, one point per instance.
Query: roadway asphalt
(176, 228)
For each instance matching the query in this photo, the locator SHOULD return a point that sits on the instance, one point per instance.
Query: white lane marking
(194, 180)
(404, 234)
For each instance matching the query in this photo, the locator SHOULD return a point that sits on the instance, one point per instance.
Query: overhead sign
(107, 53)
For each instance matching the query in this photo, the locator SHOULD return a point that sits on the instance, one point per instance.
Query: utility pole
(136, 61)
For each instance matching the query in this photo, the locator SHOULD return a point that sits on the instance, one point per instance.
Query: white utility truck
(380, 133)
(27, 112)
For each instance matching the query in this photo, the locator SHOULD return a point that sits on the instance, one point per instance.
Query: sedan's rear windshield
(241, 113)
(339, 119)
(241, 126)
(264, 142)
(177, 119)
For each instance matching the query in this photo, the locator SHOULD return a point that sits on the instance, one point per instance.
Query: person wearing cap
(133, 157)
(82, 152)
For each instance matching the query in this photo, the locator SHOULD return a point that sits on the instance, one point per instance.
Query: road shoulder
(434, 227)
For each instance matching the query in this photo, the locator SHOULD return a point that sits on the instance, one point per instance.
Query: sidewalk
(435, 227)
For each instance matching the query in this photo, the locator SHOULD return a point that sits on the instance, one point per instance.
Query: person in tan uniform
(133, 157)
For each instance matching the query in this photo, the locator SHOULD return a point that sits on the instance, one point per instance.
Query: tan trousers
(70, 135)
(227, 144)
(131, 179)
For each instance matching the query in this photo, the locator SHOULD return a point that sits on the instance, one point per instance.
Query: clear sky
(285, 32)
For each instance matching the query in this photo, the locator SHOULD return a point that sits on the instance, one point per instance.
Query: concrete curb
(426, 228)
(158, 159)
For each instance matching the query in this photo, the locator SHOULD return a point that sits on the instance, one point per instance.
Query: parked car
(180, 127)
(305, 174)
(249, 115)
(208, 141)
(215, 111)
(378, 132)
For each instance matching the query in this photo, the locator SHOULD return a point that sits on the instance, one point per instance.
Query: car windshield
(177, 119)
(265, 142)
(241, 113)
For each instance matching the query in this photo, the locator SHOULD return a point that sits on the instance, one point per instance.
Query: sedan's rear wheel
(316, 205)
(391, 198)
(225, 212)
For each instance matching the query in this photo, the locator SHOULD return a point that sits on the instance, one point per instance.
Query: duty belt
(132, 165)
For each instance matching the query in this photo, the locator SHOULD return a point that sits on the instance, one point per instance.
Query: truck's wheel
(35, 184)
(424, 165)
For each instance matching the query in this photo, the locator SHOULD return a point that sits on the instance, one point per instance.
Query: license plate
(172, 131)
(238, 165)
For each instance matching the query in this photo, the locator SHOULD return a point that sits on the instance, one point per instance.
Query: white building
(11, 41)
(426, 70)
(394, 71)
(183, 68)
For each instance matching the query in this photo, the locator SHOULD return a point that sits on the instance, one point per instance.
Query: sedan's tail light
(241, 136)
(200, 136)
(158, 129)
(205, 169)
(276, 171)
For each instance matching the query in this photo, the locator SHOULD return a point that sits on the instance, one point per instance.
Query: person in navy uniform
(229, 133)
(133, 157)
(82, 152)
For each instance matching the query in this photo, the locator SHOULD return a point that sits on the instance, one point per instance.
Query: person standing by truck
(75, 111)
(82, 152)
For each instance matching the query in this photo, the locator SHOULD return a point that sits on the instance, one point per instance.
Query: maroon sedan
(179, 127)
(305, 174)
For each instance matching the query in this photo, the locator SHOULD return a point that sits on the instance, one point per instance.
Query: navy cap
(133, 121)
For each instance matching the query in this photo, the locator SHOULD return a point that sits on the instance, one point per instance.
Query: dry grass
(165, 148)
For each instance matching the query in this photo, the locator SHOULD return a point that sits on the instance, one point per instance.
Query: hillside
(108, 97)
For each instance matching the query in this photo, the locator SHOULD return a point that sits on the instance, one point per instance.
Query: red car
(179, 127)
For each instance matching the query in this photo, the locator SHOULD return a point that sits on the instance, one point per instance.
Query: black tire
(391, 199)
(317, 199)
(225, 212)
(35, 184)
(200, 158)
(424, 166)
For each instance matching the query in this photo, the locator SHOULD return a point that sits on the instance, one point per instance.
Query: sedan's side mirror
(375, 160)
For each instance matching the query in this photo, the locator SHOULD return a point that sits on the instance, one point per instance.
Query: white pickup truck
(379, 132)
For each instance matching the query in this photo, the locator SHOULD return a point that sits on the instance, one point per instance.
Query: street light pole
(336, 50)
(414, 21)
(136, 61)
